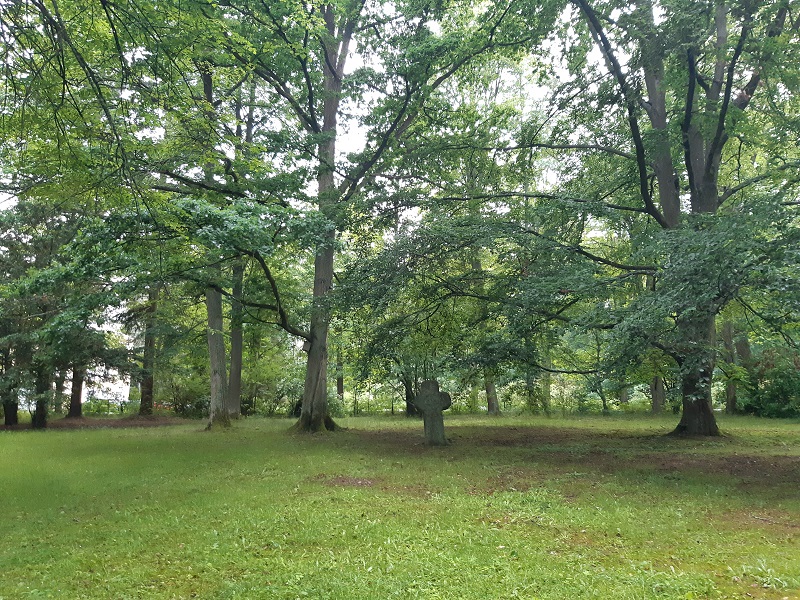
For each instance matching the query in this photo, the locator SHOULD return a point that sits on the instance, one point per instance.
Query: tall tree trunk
(42, 390)
(409, 392)
(76, 393)
(237, 310)
(339, 376)
(58, 398)
(234, 400)
(492, 404)
(218, 414)
(146, 401)
(10, 410)
(658, 394)
(314, 414)
(697, 417)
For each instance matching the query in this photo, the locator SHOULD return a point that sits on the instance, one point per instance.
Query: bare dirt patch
(343, 481)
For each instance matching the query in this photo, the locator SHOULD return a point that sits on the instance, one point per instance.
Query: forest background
(283, 206)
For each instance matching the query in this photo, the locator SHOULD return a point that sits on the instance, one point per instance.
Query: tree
(678, 112)
(410, 62)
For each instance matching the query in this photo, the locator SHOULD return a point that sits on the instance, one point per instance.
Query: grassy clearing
(514, 508)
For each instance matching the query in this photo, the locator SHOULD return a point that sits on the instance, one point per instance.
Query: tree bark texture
(658, 394)
(697, 367)
(42, 390)
(218, 414)
(76, 393)
(10, 413)
(492, 403)
(408, 392)
(234, 399)
(314, 413)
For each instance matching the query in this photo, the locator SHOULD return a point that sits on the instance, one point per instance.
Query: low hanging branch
(542, 196)
(794, 164)
(647, 269)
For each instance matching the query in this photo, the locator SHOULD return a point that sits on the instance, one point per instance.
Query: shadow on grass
(552, 451)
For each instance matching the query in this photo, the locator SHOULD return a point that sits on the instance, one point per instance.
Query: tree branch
(686, 124)
(542, 196)
(753, 180)
(719, 135)
(282, 314)
(593, 257)
(630, 104)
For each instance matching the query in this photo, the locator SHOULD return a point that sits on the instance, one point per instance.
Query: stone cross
(431, 402)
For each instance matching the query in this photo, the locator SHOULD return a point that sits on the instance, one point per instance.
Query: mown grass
(513, 508)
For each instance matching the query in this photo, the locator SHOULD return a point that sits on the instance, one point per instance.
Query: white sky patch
(136, 54)
(156, 134)
(7, 201)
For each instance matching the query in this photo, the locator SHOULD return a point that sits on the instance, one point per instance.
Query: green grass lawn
(513, 508)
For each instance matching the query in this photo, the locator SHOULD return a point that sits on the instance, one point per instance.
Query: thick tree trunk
(697, 366)
(146, 401)
(492, 404)
(314, 413)
(42, 389)
(76, 393)
(218, 415)
(234, 402)
(408, 389)
(658, 394)
(697, 417)
(10, 413)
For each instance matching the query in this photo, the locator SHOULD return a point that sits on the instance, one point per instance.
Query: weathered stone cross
(431, 402)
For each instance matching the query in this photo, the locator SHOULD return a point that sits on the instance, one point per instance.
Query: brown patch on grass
(343, 481)
(117, 422)
(778, 522)
(507, 480)
(583, 450)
